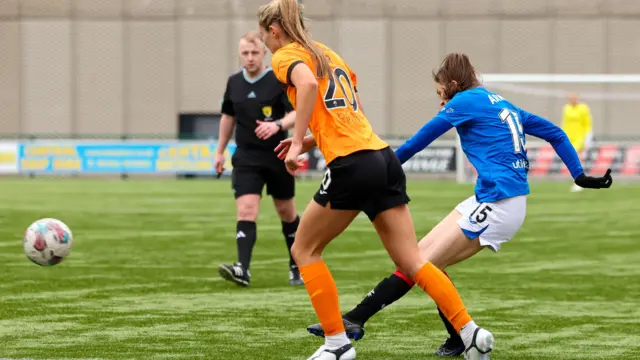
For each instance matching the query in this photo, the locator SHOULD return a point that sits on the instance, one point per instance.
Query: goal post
(560, 78)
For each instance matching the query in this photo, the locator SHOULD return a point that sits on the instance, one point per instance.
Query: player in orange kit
(363, 175)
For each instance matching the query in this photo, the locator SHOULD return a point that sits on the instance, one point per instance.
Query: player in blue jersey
(492, 132)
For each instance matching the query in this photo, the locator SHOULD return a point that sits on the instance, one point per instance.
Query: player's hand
(218, 164)
(283, 147)
(292, 160)
(591, 182)
(266, 129)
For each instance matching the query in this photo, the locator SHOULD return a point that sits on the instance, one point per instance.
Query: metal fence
(125, 67)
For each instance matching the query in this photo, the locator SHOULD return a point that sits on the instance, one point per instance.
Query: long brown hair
(456, 74)
(288, 14)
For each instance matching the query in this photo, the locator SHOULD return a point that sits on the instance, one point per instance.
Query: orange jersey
(338, 124)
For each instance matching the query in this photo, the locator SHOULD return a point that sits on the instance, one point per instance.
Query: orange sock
(324, 296)
(437, 285)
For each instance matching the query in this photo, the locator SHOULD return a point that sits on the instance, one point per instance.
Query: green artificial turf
(141, 281)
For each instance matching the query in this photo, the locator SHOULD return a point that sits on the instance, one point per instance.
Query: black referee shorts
(371, 181)
(249, 176)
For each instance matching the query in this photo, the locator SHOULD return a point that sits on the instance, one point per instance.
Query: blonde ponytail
(288, 14)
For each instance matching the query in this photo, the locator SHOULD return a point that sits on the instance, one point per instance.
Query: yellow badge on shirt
(267, 111)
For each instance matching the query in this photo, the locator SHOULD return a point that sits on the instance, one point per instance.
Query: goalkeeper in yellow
(576, 122)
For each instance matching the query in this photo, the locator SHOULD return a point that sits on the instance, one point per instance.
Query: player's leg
(391, 226)
(384, 294)
(449, 233)
(318, 227)
(396, 285)
(393, 287)
(347, 186)
(471, 227)
(247, 186)
(394, 225)
(281, 186)
(505, 219)
(453, 345)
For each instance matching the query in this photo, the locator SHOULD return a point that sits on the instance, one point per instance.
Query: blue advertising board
(117, 157)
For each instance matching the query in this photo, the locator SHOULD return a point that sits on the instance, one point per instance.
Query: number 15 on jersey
(515, 127)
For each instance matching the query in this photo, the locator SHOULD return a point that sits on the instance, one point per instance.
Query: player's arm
(546, 130)
(290, 68)
(306, 93)
(282, 149)
(425, 136)
(289, 120)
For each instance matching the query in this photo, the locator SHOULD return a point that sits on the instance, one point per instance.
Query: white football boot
(480, 346)
(346, 352)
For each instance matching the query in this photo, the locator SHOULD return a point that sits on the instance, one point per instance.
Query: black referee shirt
(262, 98)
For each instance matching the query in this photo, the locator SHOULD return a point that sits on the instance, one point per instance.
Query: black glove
(591, 182)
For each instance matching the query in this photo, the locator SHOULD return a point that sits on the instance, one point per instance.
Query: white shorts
(494, 223)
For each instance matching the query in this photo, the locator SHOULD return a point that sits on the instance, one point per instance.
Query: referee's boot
(294, 276)
(235, 273)
(354, 331)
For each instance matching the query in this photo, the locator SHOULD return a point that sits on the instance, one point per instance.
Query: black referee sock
(246, 239)
(289, 232)
(385, 293)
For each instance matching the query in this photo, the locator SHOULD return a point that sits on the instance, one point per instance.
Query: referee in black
(256, 102)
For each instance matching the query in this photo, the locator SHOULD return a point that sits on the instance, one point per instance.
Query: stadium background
(141, 281)
(129, 67)
(105, 69)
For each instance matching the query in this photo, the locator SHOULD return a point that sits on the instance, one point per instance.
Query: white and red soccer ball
(47, 242)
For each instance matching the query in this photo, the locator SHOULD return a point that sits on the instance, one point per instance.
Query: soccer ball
(47, 242)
